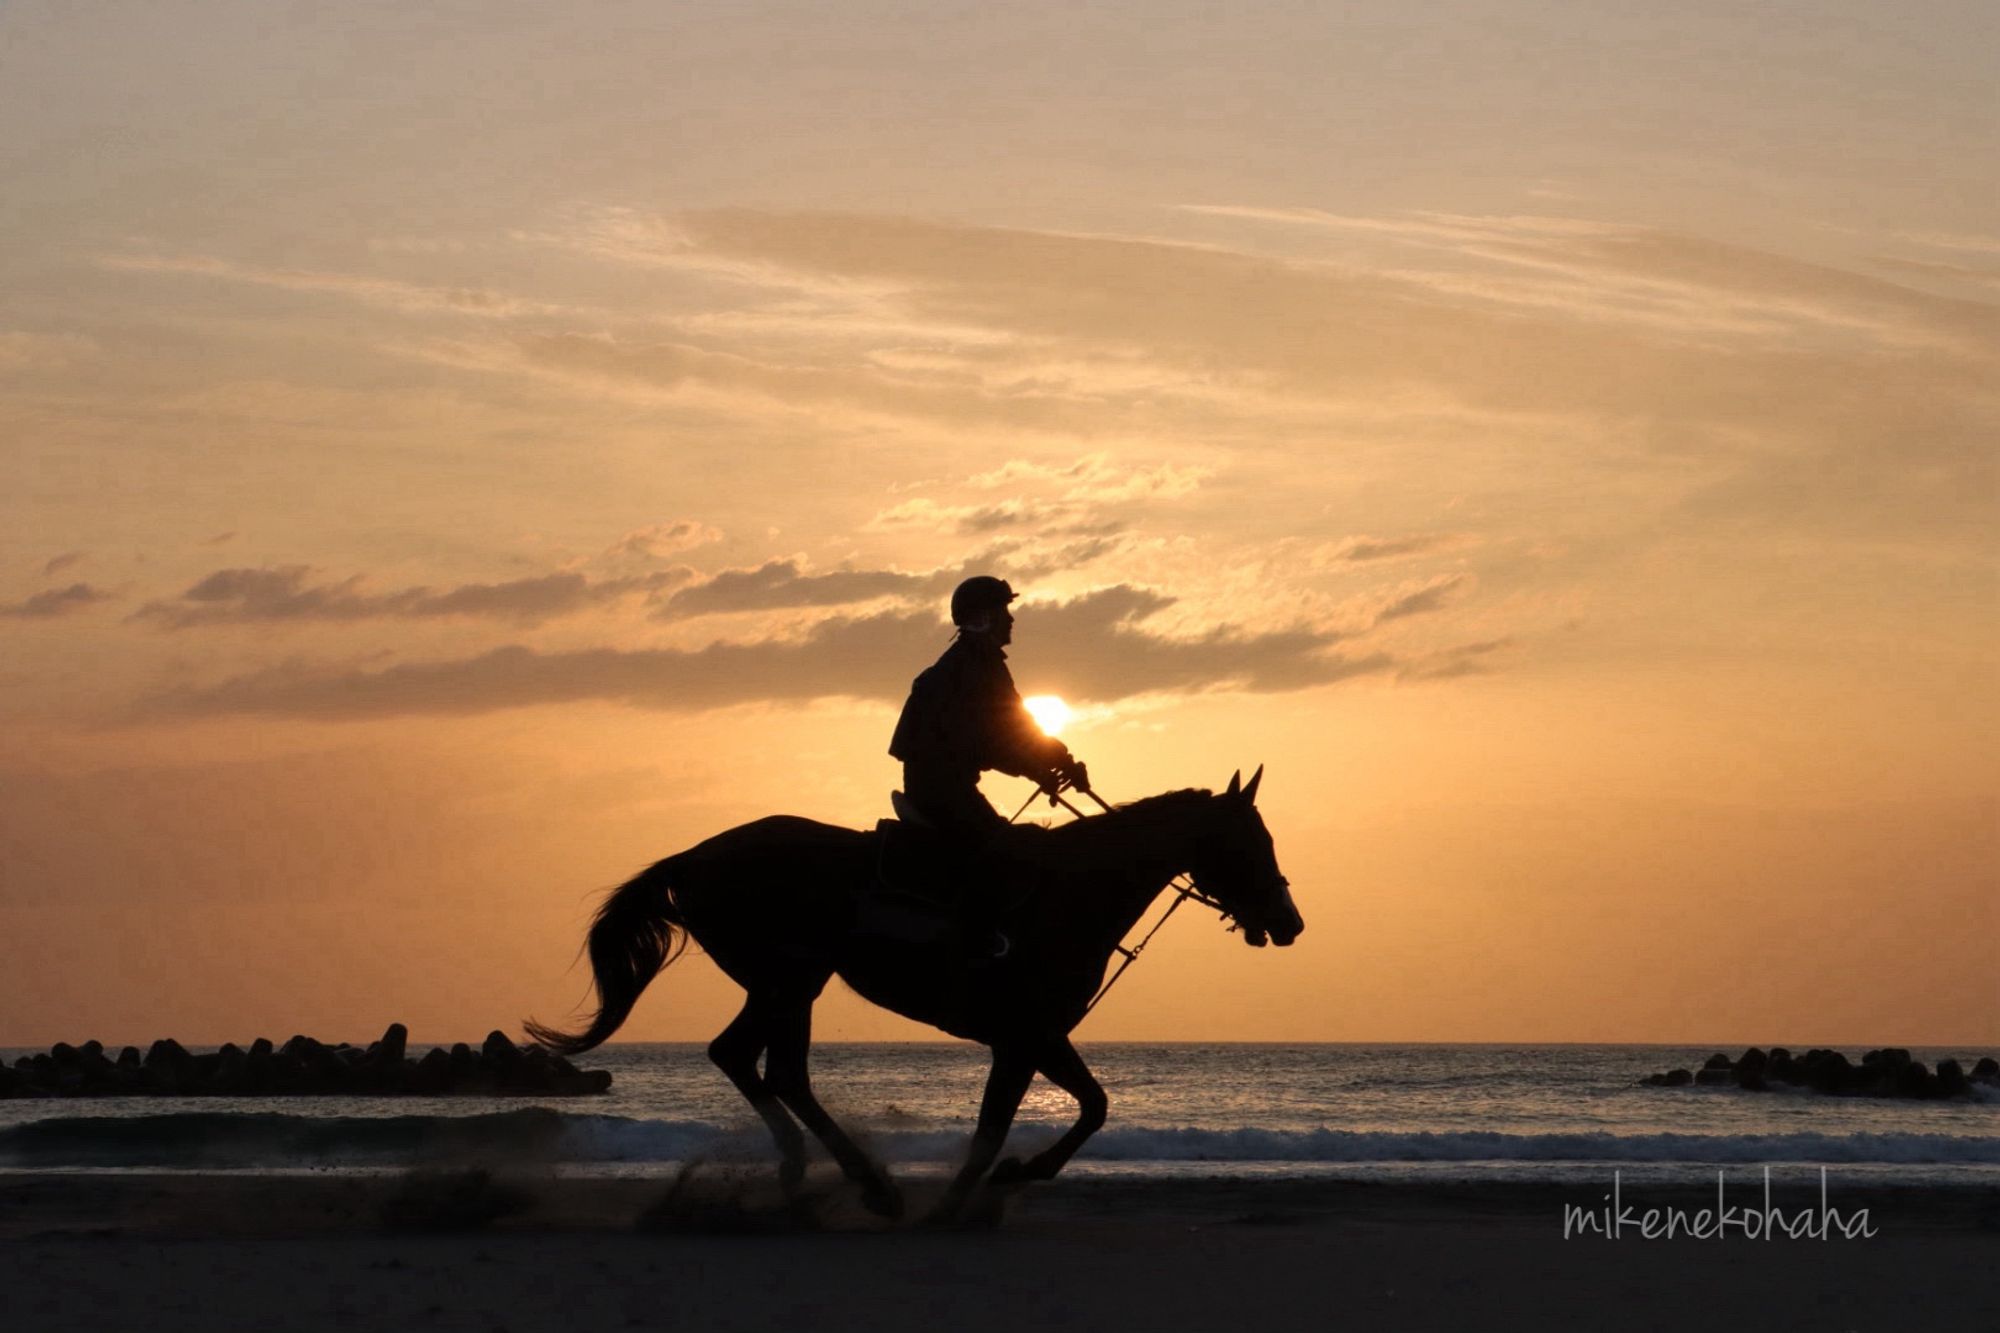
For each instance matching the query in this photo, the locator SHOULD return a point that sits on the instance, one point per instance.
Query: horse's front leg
(1062, 1066)
(1013, 1070)
(786, 1075)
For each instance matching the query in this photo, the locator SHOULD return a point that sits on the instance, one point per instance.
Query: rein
(1182, 885)
(1184, 889)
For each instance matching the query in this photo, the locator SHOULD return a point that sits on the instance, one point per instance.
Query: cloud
(44, 351)
(1079, 493)
(57, 564)
(1362, 548)
(247, 596)
(1096, 477)
(1793, 391)
(1421, 226)
(1647, 277)
(55, 602)
(1988, 245)
(1093, 648)
(1542, 315)
(1098, 648)
(391, 293)
(1956, 273)
(785, 584)
(965, 520)
(1647, 353)
(989, 518)
(780, 583)
(762, 378)
(662, 539)
(1429, 597)
(1467, 659)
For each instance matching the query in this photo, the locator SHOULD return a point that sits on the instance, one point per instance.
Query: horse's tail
(636, 932)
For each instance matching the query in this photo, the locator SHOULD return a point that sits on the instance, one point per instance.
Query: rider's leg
(954, 805)
(786, 1074)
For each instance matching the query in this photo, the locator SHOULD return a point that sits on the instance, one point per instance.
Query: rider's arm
(1015, 743)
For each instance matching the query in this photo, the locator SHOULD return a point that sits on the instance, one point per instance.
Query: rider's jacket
(965, 715)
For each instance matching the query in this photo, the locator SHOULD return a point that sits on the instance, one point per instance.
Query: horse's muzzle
(1290, 927)
(1282, 936)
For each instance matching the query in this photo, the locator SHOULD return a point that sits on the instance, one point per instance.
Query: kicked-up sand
(473, 1250)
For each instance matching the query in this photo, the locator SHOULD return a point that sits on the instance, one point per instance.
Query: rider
(964, 715)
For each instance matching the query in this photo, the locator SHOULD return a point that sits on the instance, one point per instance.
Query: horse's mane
(1134, 820)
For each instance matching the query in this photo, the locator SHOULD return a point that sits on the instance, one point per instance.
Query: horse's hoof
(1012, 1171)
(883, 1199)
(947, 1211)
(981, 1210)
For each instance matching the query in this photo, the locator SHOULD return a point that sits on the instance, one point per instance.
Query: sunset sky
(458, 453)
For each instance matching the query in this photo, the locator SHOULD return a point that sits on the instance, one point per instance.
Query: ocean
(1380, 1112)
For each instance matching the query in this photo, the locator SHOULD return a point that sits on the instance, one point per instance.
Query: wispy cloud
(1639, 275)
(1466, 659)
(55, 602)
(1430, 596)
(285, 594)
(1359, 549)
(787, 584)
(1768, 365)
(1963, 241)
(389, 293)
(1097, 479)
(1421, 226)
(657, 540)
(23, 350)
(1074, 497)
(781, 584)
(1094, 648)
(931, 515)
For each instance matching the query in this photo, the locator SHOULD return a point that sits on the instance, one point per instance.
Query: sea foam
(219, 1140)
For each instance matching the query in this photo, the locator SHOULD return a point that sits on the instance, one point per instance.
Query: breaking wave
(218, 1140)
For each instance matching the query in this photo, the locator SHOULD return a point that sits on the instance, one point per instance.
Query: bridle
(1183, 887)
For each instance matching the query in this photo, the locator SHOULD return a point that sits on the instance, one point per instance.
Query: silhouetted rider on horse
(783, 904)
(964, 716)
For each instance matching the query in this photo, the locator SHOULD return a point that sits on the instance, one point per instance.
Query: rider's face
(1003, 627)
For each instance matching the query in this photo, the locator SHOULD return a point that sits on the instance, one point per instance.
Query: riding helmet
(977, 596)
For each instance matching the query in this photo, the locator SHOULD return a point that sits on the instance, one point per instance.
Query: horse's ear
(1235, 783)
(1250, 792)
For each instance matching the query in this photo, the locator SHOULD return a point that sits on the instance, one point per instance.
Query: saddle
(929, 886)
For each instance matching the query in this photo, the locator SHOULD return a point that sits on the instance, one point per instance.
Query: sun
(1051, 714)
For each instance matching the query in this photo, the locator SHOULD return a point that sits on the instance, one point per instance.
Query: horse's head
(1237, 866)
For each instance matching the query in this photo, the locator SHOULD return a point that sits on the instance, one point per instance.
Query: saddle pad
(918, 863)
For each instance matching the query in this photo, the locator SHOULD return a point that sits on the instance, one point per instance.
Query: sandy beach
(208, 1252)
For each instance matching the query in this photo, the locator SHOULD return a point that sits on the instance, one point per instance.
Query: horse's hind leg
(735, 1051)
(786, 1074)
(1061, 1065)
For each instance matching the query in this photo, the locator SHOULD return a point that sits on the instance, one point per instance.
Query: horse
(776, 904)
